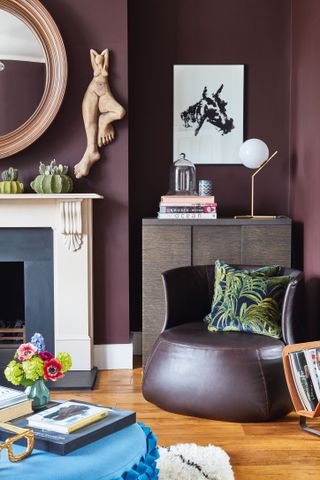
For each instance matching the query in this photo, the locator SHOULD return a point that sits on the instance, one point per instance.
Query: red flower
(45, 355)
(52, 370)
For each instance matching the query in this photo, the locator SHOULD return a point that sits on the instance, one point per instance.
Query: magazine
(303, 380)
(67, 417)
(298, 384)
(311, 357)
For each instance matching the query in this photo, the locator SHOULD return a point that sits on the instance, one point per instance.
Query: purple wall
(305, 165)
(21, 83)
(94, 24)
(161, 34)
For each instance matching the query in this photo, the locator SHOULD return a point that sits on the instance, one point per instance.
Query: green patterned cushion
(221, 271)
(251, 304)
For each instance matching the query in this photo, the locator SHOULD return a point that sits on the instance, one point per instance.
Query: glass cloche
(182, 177)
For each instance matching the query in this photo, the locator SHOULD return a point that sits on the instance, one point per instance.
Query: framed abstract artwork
(208, 113)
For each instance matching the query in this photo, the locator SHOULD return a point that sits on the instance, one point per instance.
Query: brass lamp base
(253, 216)
(258, 217)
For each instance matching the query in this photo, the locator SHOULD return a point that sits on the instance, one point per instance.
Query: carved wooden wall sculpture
(99, 110)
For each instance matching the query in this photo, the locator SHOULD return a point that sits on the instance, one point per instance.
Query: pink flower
(45, 355)
(26, 351)
(52, 370)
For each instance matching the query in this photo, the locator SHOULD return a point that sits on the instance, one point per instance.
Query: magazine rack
(304, 414)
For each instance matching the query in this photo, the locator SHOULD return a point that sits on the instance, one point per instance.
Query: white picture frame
(208, 113)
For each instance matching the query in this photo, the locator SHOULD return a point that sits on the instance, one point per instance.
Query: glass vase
(38, 393)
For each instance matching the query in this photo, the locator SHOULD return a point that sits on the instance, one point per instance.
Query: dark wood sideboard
(169, 244)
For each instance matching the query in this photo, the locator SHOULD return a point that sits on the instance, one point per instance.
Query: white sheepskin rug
(188, 461)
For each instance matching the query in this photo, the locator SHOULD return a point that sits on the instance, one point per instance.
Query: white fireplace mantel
(70, 217)
(70, 212)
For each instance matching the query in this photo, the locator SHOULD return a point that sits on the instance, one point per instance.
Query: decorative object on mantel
(254, 153)
(33, 365)
(10, 183)
(99, 110)
(52, 178)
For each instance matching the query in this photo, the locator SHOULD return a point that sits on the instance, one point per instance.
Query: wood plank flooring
(273, 451)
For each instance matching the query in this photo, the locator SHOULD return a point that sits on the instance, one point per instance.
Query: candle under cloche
(182, 177)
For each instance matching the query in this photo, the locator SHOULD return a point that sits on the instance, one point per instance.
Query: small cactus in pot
(52, 178)
(10, 183)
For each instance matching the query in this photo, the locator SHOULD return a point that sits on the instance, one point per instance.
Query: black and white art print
(208, 113)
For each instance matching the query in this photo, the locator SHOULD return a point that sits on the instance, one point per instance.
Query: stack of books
(13, 404)
(63, 427)
(187, 207)
(305, 368)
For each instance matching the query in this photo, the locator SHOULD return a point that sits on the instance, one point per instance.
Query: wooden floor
(275, 450)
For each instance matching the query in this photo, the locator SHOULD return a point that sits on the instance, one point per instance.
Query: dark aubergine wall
(164, 33)
(97, 24)
(305, 171)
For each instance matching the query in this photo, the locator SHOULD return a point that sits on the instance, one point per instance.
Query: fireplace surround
(65, 222)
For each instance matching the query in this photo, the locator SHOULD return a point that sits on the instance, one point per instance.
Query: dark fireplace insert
(12, 319)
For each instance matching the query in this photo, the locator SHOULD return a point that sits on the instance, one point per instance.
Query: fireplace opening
(12, 309)
(26, 290)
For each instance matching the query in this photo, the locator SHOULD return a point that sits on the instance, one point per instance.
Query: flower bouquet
(32, 365)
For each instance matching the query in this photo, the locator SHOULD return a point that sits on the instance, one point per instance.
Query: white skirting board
(113, 357)
(117, 356)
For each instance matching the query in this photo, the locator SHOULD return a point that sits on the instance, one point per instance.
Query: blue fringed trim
(146, 469)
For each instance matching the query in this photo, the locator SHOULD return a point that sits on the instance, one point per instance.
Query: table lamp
(254, 153)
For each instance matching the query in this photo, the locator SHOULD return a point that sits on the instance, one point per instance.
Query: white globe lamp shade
(253, 153)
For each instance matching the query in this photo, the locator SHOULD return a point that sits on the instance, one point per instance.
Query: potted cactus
(10, 183)
(52, 178)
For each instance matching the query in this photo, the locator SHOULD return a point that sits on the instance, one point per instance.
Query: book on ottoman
(10, 396)
(67, 417)
(64, 443)
(15, 411)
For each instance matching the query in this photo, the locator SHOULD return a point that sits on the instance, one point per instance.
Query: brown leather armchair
(231, 376)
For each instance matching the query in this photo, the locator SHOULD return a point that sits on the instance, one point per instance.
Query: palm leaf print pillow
(221, 271)
(251, 304)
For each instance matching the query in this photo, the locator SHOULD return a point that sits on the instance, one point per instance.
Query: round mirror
(33, 73)
(23, 72)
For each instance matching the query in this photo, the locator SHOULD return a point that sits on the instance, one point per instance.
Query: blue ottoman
(129, 454)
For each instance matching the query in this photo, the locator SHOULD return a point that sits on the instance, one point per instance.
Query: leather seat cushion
(229, 376)
(196, 335)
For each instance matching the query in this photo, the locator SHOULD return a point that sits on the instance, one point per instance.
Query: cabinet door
(164, 248)
(263, 244)
(212, 242)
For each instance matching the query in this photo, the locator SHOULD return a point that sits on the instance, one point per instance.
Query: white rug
(188, 461)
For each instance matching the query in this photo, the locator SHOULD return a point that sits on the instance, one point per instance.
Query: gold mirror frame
(38, 19)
